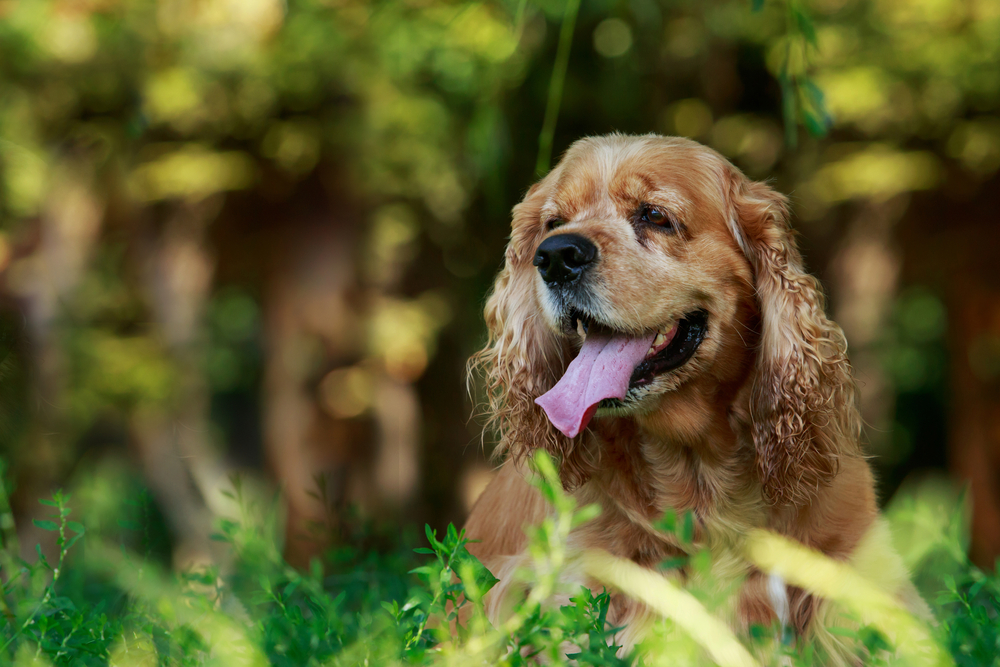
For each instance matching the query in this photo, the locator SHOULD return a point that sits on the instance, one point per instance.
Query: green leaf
(813, 93)
(805, 25)
(813, 124)
(674, 563)
(701, 561)
(668, 522)
(843, 632)
(432, 538)
(756, 5)
(45, 525)
(474, 575)
(585, 514)
(687, 532)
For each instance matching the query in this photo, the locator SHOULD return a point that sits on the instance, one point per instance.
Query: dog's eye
(552, 223)
(654, 216)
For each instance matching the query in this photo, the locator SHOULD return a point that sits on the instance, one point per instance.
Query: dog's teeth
(651, 351)
(659, 340)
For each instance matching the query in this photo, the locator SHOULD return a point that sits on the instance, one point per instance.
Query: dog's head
(644, 272)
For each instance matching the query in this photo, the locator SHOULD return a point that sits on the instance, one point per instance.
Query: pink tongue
(601, 370)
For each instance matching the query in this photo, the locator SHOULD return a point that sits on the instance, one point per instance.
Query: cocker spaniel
(654, 329)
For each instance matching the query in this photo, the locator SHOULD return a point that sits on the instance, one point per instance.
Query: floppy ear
(522, 358)
(803, 407)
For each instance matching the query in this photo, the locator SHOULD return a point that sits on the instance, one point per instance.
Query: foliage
(970, 612)
(105, 605)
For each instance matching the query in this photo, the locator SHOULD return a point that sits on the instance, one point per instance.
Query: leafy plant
(802, 100)
(425, 606)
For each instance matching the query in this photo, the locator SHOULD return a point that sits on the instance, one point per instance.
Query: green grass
(382, 599)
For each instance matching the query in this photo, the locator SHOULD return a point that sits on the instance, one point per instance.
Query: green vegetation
(369, 602)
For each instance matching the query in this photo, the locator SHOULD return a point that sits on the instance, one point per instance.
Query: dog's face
(648, 278)
(631, 236)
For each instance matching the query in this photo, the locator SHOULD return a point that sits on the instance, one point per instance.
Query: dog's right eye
(552, 223)
(655, 216)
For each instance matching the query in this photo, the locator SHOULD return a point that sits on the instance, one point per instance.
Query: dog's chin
(639, 399)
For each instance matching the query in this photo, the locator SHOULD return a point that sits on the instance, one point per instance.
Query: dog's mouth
(688, 334)
(611, 364)
(670, 349)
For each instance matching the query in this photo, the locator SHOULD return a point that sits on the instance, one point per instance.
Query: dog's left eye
(654, 216)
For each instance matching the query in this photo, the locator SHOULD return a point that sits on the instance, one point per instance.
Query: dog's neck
(691, 454)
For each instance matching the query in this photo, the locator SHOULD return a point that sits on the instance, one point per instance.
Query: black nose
(563, 258)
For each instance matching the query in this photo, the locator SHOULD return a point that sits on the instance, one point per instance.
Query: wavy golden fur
(759, 428)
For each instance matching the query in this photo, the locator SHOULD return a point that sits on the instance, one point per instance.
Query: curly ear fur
(522, 359)
(803, 406)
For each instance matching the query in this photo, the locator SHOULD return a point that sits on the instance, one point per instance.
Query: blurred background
(254, 237)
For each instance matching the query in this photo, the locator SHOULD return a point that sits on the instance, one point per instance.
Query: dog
(653, 328)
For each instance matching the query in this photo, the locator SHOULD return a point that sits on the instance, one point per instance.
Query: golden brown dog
(654, 329)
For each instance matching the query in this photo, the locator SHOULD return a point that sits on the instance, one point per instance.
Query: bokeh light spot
(347, 392)
(295, 146)
(877, 172)
(192, 172)
(612, 38)
(691, 118)
(976, 144)
(71, 38)
(922, 316)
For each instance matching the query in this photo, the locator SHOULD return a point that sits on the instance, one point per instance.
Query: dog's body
(742, 410)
